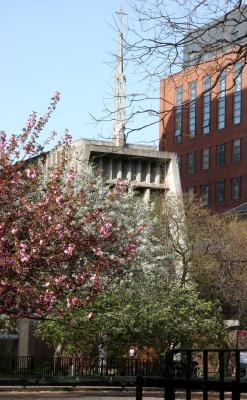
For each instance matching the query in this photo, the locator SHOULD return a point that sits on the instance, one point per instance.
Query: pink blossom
(14, 179)
(67, 139)
(59, 200)
(70, 176)
(121, 184)
(46, 198)
(72, 301)
(131, 247)
(22, 251)
(14, 231)
(80, 278)
(25, 258)
(56, 96)
(2, 139)
(31, 120)
(31, 173)
(29, 147)
(94, 279)
(98, 252)
(60, 279)
(70, 249)
(105, 229)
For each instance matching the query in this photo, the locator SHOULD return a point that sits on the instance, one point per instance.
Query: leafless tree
(164, 37)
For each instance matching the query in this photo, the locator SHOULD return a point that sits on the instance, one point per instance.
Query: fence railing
(205, 370)
(187, 369)
(78, 367)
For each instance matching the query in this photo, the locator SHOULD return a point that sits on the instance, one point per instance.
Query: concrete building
(204, 118)
(147, 169)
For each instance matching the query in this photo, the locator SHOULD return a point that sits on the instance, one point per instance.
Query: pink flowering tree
(63, 237)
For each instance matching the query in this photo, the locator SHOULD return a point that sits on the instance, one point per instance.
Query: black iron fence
(210, 370)
(190, 370)
(78, 367)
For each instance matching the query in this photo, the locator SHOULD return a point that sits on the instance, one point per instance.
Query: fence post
(221, 371)
(169, 389)
(236, 390)
(205, 373)
(139, 387)
(188, 372)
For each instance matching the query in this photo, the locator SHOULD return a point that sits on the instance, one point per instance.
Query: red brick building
(204, 113)
(204, 120)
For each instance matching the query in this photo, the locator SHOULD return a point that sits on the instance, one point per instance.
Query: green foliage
(144, 311)
(8, 325)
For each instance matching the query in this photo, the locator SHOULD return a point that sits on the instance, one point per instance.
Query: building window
(205, 194)
(220, 192)
(236, 150)
(237, 93)
(220, 155)
(205, 159)
(222, 100)
(192, 110)
(191, 159)
(206, 105)
(236, 187)
(178, 115)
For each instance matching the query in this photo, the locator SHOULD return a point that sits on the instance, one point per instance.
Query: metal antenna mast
(119, 92)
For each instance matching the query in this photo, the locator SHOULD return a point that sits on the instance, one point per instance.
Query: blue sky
(64, 45)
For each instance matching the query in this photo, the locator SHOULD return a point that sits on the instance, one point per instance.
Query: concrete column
(139, 173)
(146, 195)
(148, 176)
(110, 169)
(119, 173)
(129, 170)
(24, 337)
(157, 173)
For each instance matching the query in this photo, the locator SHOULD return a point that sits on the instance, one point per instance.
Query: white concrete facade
(147, 169)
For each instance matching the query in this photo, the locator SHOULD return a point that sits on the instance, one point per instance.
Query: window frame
(234, 178)
(207, 202)
(219, 163)
(192, 110)
(203, 168)
(217, 184)
(221, 104)
(234, 149)
(178, 115)
(191, 168)
(206, 107)
(237, 94)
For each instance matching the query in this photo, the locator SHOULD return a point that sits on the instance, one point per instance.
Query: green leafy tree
(145, 310)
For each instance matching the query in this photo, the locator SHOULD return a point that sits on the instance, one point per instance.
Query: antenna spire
(119, 92)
